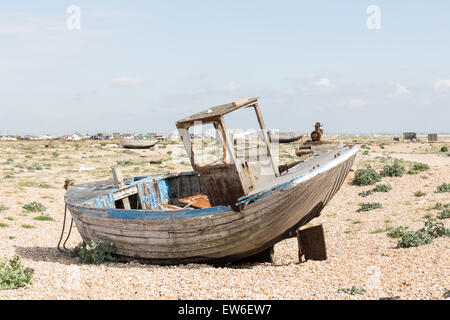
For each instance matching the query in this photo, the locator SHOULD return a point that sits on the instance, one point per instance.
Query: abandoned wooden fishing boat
(137, 144)
(231, 208)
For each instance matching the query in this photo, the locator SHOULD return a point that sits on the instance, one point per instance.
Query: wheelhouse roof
(216, 112)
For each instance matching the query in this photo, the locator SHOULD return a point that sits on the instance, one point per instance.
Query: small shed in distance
(409, 136)
(433, 137)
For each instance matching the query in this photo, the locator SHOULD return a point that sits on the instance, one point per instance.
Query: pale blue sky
(138, 66)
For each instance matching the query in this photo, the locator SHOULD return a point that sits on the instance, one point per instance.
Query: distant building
(73, 137)
(410, 136)
(116, 136)
(30, 137)
(127, 136)
(161, 138)
(433, 137)
(45, 137)
(8, 138)
(64, 137)
(174, 135)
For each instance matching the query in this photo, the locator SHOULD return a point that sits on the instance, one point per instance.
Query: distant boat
(224, 211)
(286, 137)
(137, 144)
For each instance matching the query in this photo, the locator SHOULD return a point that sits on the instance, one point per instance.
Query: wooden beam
(118, 181)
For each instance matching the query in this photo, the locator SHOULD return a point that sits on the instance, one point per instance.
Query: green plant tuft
(418, 167)
(370, 206)
(382, 188)
(414, 239)
(447, 294)
(365, 193)
(440, 206)
(13, 275)
(444, 214)
(366, 177)
(419, 194)
(43, 218)
(353, 290)
(445, 187)
(394, 170)
(95, 252)
(397, 232)
(433, 229)
(436, 228)
(34, 207)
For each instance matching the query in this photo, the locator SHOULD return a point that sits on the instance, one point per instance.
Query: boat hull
(223, 235)
(286, 138)
(137, 144)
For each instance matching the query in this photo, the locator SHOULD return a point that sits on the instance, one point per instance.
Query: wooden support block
(311, 244)
(118, 181)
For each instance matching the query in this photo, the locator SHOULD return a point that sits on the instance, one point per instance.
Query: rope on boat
(64, 249)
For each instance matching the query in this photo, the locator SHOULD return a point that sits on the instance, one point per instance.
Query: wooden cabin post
(186, 139)
(118, 181)
(266, 137)
(225, 139)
